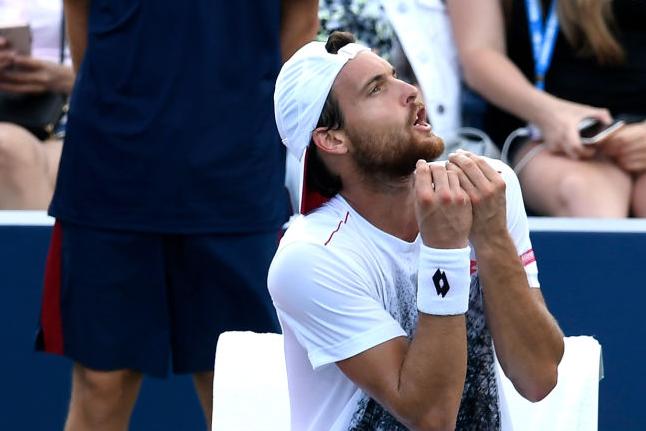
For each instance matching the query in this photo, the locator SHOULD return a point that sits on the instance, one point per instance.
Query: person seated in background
(28, 165)
(588, 59)
(377, 287)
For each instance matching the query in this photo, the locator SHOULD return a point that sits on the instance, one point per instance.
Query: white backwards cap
(302, 87)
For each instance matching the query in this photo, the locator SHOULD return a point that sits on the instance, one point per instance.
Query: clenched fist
(442, 207)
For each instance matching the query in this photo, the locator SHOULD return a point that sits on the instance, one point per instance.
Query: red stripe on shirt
(474, 267)
(528, 257)
(341, 222)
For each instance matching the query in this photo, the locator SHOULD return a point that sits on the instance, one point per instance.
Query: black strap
(62, 51)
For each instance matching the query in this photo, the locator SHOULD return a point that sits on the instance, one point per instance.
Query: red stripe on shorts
(50, 315)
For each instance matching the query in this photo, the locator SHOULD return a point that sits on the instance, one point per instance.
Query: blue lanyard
(543, 37)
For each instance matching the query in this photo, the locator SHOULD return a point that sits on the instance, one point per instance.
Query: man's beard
(391, 155)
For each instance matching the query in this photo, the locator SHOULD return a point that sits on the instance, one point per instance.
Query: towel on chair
(573, 403)
(250, 383)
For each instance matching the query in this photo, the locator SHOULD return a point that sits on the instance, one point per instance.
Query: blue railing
(591, 272)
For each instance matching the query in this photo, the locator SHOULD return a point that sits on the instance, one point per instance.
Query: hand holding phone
(592, 130)
(18, 39)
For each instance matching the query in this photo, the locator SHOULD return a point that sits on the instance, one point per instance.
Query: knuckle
(446, 197)
(424, 198)
(468, 163)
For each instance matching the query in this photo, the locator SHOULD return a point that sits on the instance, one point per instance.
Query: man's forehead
(358, 71)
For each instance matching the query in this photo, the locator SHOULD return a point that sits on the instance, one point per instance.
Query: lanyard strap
(543, 36)
(61, 57)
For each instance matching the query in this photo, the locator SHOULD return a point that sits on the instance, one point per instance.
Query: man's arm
(421, 382)
(299, 24)
(76, 18)
(529, 343)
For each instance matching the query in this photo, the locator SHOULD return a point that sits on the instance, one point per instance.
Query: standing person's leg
(104, 307)
(555, 185)
(203, 383)
(28, 169)
(218, 283)
(102, 400)
(639, 196)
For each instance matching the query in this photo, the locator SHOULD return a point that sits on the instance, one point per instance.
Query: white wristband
(443, 281)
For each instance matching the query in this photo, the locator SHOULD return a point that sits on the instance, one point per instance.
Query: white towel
(250, 383)
(250, 388)
(572, 405)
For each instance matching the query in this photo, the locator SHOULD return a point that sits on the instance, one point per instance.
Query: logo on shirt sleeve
(441, 283)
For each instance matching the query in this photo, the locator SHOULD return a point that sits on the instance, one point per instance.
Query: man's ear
(330, 141)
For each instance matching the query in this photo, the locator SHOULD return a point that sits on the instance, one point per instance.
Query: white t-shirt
(340, 287)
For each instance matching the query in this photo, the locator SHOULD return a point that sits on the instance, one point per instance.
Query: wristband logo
(441, 283)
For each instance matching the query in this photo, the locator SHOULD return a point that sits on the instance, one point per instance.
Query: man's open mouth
(419, 121)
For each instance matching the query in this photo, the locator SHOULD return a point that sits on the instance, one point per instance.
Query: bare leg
(204, 387)
(53, 148)
(102, 400)
(639, 196)
(557, 186)
(27, 167)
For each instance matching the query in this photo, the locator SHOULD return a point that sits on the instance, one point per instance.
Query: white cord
(504, 152)
(528, 157)
(531, 132)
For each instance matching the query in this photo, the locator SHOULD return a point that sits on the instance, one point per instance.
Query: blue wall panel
(35, 387)
(592, 282)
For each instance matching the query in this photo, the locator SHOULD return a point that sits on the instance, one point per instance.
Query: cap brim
(303, 199)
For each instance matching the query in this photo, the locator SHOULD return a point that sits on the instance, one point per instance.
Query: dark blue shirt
(171, 125)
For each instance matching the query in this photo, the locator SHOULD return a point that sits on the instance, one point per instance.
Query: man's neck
(389, 207)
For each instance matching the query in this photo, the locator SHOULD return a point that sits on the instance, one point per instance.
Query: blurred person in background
(28, 164)
(170, 192)
(552, 67)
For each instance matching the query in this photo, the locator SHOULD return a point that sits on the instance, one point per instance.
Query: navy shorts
(130, 300)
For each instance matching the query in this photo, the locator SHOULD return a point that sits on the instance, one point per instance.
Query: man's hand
(6, 54)
(31, 75)
(442, 207)
(486, 191)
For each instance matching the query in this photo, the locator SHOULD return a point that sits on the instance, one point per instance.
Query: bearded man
(400, 277)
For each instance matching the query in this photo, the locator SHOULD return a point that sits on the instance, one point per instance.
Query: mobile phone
(591, 130)
(19, 38)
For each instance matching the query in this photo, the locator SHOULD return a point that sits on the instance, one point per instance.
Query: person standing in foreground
(392, 293)
(170, 192)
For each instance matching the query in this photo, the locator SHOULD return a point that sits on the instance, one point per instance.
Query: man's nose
(409, 93)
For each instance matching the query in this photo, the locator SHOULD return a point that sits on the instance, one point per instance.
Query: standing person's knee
(105, 392)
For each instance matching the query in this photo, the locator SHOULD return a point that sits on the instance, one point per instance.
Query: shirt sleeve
(329, 304)
(517, 223)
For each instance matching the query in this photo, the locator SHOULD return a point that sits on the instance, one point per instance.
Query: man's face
(384, 120)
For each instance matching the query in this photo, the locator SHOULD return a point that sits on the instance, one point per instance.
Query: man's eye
(376, 89)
